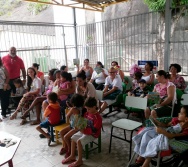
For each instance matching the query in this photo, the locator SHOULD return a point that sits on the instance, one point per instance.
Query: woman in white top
(117, 67)
(148, 75)
(113, 87)
(98, 76)
(33, 90)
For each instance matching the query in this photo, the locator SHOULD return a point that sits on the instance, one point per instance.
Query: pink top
(13, 65)
(63, 85)
(50, 87)
(163, 90)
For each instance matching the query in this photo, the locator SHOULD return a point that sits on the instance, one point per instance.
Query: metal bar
(75, 31)
(167, 34)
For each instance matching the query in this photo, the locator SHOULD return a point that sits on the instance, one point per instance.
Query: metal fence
(125, 40)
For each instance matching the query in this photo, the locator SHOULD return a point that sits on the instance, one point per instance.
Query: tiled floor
(34, 152)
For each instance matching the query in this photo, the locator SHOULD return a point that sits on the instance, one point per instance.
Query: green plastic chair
(91, 148)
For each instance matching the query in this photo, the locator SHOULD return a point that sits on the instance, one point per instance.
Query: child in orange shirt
(53, 114)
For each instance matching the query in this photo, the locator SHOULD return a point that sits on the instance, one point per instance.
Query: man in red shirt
(14, 64)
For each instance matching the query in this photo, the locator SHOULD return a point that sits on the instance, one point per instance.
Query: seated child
(137, 76)
(20, 90)
(77, 101)
(52, 114)
(87, 135)
(150, 141)
(141, 90)
(65, 82)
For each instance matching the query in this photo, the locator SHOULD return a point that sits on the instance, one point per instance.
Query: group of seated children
(83, 129)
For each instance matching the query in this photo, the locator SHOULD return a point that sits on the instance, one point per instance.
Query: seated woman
(152, 140)
(120, 72)
(148, 75)
(40, 74)
(33, 90)
(98, 76)
(38, 100)
(167, 93)
(113, 86)
(88, 70)
(175, 78)
(84, 88)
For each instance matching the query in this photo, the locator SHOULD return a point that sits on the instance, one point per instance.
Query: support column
(167, 35)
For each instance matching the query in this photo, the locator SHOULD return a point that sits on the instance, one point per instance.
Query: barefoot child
(53, 114)
(77, 101)
(89, 134)
(148, 145)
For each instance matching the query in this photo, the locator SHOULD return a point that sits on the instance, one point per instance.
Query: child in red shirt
(89, 134)
(53, 114)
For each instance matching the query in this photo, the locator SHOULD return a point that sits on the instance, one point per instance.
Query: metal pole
(65, 49)
(167, 34)
(75, 31)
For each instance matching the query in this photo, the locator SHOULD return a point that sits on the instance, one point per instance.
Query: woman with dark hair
(39, 73)
(167, 94)
(175, 77)
(148, 75)
(88, 70)
(83, 87)
(64, 68)
(117, 67)
(4, 92)
(98, 76)
(33, 90)
(37, 103)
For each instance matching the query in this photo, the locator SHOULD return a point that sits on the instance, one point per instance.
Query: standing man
(14, 64)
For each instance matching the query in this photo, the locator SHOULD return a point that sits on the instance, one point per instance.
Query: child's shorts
(84, 139)
(45, 124)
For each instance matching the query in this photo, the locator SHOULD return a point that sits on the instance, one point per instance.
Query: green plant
(36, 8)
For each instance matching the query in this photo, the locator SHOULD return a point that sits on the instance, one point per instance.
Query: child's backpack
(134, 68)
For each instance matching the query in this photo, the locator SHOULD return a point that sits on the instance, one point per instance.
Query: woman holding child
(167, 94)
(33, 90)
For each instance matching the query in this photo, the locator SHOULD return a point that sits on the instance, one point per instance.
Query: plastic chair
(136, 104)
(89, 149)
(57, 128)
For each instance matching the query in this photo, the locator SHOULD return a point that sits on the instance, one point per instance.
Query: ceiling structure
(93, 5)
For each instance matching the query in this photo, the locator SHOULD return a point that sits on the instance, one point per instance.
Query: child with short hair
(20, 90)
(87, 135)
(52, 114)
(141, 90)
(148, 141)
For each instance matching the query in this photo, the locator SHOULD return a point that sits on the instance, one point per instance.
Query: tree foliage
(6, 6)
(36, 8)
(159, 5)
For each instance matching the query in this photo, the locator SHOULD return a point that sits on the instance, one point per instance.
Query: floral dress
(179, 82)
